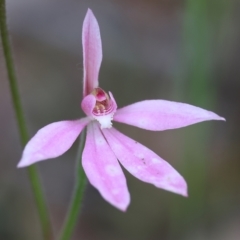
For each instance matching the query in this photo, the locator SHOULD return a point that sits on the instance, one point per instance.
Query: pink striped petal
(103, 169)
(159, 115)
(144, 164)
(92, 52)
(52, 141)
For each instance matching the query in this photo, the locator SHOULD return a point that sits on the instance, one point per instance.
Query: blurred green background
(185, 51)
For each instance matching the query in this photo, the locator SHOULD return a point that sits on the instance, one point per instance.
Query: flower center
(104, 108)
(103, 103)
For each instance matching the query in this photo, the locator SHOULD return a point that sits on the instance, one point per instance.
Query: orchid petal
(159, 115)
(52, 141)
(92, 52)
(113, 101)
(88, 104)
(103, 169)
(144, 164)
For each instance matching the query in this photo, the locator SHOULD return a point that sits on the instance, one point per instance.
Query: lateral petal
(92, 52)
(103, 169)
(88, 103)
(157, 115)
(52, 141)
(144, 164)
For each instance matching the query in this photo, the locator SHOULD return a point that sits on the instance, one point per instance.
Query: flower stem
(76, 202)
(32, 171)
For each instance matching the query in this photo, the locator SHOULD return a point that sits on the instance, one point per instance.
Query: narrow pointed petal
(160, 115)
(92, 52)
(103, 169)
(52, 141)
(144, 164)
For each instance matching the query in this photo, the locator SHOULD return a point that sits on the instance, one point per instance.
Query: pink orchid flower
(104, 144)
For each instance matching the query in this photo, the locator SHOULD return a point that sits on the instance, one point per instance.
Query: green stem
(77, 198)
(32, 171)
(40, 202)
